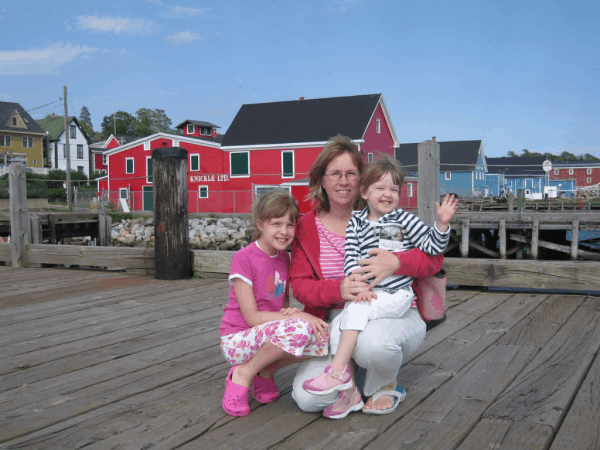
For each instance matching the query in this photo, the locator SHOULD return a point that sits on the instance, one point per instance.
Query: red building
(267, 146)
(584, 173)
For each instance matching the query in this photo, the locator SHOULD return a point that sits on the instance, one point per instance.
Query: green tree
(512, 154)
(151, 121)
(567, 156)
(590, 157)
(120, 122)
(85, 117)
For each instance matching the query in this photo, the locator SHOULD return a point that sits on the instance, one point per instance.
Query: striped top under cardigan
(408, 230)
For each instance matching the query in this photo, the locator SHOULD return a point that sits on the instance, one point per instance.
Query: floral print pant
(295, 336)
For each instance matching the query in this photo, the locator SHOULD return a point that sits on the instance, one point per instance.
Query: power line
(51, 103)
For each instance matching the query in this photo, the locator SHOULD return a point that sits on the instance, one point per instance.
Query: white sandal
(399, 395)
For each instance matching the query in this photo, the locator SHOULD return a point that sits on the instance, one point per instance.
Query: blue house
(462, 166)
(508, 175)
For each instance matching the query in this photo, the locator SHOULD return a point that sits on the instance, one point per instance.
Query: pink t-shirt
(268, 276)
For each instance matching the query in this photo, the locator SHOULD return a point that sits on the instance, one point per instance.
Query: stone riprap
(204, 233)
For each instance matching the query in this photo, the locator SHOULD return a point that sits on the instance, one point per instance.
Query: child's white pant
(355, 316)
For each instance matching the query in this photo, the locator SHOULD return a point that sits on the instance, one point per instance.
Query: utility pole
(67, 150)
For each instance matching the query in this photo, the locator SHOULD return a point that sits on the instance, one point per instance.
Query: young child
(260, 333)
(379, 225)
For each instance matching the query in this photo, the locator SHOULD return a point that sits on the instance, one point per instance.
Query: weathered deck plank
(138, 366)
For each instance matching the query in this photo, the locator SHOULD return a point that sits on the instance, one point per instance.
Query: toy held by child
(379, 225)
(260, 333)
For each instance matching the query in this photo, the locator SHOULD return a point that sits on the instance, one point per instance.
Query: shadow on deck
(100, 360)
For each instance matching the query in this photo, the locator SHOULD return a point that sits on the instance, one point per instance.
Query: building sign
(208, 177)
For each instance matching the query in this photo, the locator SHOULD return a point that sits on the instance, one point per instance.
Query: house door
(148, 198)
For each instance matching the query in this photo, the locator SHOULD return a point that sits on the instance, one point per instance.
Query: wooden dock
(101, 360)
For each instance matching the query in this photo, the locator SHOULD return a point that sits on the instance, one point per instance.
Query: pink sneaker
(235, 398)
(329, 381)
(348, 401)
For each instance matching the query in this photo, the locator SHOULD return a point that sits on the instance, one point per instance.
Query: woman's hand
(319, 326)
(381, 265)
(354, 284)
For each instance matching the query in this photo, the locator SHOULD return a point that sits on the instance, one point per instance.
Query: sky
(515, 74)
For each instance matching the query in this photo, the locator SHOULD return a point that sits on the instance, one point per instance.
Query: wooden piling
(19, 220)
(464, 245)
(429, 180)
(35, 223)
(502, 236)
(574, 239)
(104, 229)
(535, 237)
(172, 252)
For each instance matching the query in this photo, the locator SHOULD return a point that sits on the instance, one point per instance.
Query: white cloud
(183, 37)
(116, 25)
(41, 61)
(180, 12)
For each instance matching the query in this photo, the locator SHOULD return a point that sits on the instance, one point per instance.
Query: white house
(78, 143)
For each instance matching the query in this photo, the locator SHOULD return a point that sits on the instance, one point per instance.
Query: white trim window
(570, 171)
(190, 128)
(378, 126)
(369, 157)
(239, 164)
(104, 160)
(149, 169)
(27, 142)
(147, 145)
(5, 141)
(72, 132)
(589, 170)
(175, 142)
(556, 171)
(35, 162)
(203, 191)
(409, 189)
(447, 175)
(64, 146)
(194, 162)
(123, 193)
(287, 164)
(79, 151)
(129, 166)
(588, 180)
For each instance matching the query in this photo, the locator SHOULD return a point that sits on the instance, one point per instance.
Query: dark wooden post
(35, 222)
(429, 180)
(104, 229)
(520, 200)
(19, 219)
(172, 252)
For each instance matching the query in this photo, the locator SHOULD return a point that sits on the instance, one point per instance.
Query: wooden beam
(502, 236)
(451, 247)
(464, 247)
(574, 239)
(485, 250)
(19, 220)
(535, 235)
(36, 228)
(556, 247)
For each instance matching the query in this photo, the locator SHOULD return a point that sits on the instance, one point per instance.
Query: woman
(318, 282)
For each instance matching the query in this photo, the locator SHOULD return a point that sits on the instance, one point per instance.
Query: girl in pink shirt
(260, 333)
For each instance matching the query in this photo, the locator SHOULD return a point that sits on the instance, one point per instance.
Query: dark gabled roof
(55, 126)
(516, 166)
(197, 122)
(575, 163)
(455, 156)
(6, 110)
(300, 121)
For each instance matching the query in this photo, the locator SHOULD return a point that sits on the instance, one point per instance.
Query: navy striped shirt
(397, 231)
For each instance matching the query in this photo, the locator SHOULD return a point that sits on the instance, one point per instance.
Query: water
(585, 236)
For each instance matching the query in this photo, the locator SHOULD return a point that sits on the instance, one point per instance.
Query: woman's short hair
(273, 205)
(376, 170)
(336, 146)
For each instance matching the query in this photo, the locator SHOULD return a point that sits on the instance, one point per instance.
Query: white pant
(355, 316)
(380, 349)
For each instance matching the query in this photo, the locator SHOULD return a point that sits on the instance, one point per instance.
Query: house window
(194, 163)
(80, 169)
(128, 165)
(14, 121)
(239, 164)
(64, 146)
(588, 180)
(175, 142)
(570, 171)
(369, 157)
(378, 126)
(448, 176)
(79, 151)
(72, 133)
(555, 171)
(149, 169)
(104, 160)
(206, 131)
(5, 141)
(27, 142)
(203, 191)
(35, 162)
(287, 164)
(589, 170)
(122, 192)
(190, 129)
(409, 189)
(147, 145)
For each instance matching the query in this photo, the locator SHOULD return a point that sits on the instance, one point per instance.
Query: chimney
(214, 133)
(301, 98)
(433, 138)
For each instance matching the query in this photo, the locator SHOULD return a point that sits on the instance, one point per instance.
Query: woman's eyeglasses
(337, 176)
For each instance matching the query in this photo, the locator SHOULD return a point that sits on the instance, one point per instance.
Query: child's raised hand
(445, 211)
(289, 311)
(365, 296)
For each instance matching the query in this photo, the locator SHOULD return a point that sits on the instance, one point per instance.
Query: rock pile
(204, 233)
